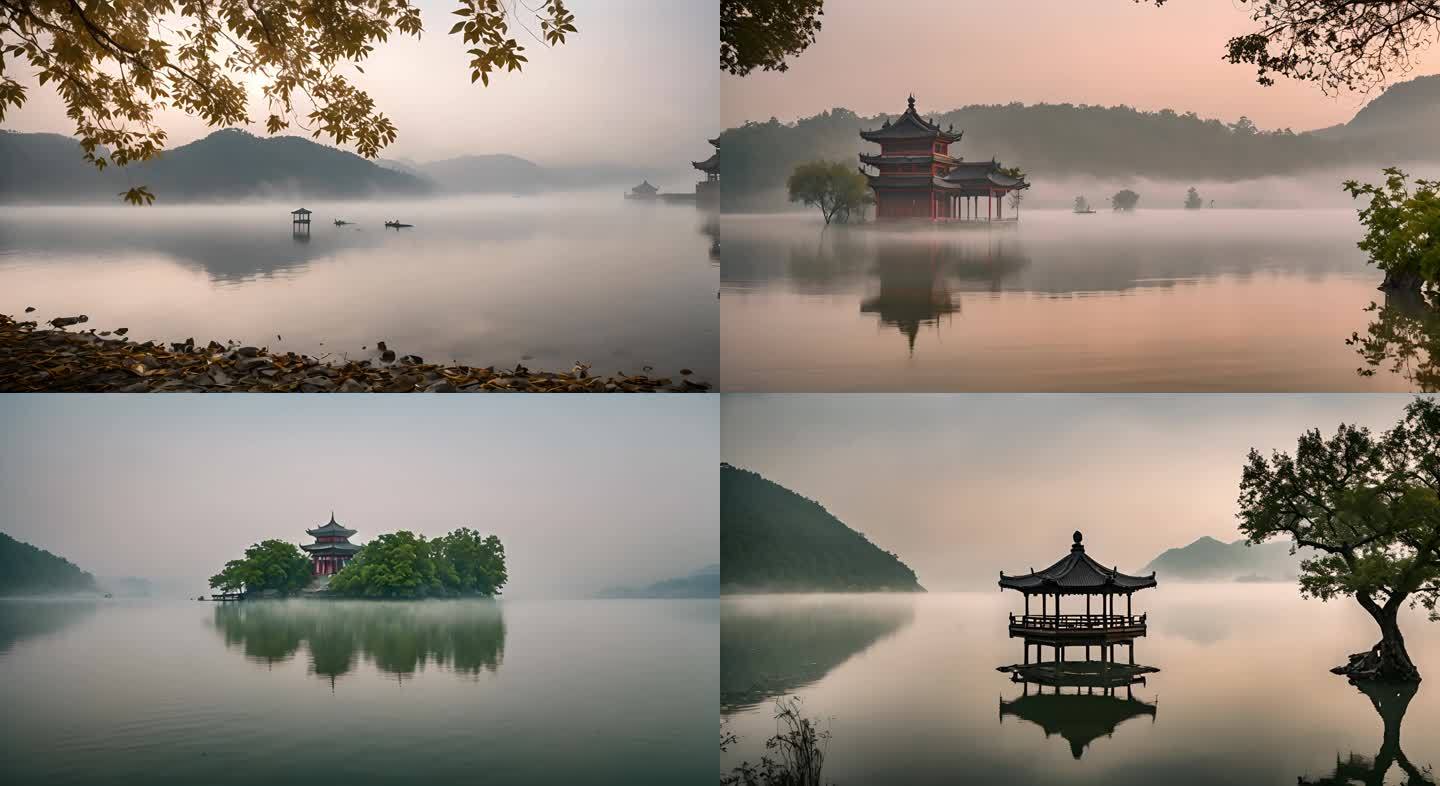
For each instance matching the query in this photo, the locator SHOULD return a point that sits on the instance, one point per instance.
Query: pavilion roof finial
(332, 517)
(1078, 537)
(912, 102)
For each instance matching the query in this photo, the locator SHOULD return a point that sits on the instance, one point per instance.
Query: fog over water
(585, 492)
(963, 487)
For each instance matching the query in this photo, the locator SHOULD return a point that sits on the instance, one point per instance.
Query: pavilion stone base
(1079, 674)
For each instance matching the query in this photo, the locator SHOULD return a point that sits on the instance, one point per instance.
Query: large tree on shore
(1371, 506)
(116, 64)
(762, 33)
(838, 189)
(1340, 44)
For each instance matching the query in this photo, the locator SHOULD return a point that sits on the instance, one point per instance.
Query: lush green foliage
(839, 190)
(1402, 228)
(1353, 44)
(1082, 204)
(405, 565)
(1193, 200)
(1371, 506)
(772, 538)
(268, 565)
(1124, 199)
(762, 33)
(116, 64)
(25, 570)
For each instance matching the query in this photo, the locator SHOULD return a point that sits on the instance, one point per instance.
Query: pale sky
(870, 55)
(585, 492)
(638, 84)
(962, 487)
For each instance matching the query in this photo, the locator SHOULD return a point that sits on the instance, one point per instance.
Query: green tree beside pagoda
(839, 190)
(1371, 506)
(406, 565)
(268, 565)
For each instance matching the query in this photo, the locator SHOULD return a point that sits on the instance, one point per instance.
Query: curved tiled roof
(708, 165)
(911, 125)
(317, 548)
(1076, 573)
(331, 528)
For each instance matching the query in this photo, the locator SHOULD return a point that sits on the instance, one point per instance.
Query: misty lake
(908, 688)
(545, 281)
(1160, 300)
(308, 692)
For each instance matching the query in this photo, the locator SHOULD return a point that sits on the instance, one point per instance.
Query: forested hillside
(773, 539)
(27, 570)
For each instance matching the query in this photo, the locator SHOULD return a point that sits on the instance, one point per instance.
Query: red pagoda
(332, 548)
(916, 177)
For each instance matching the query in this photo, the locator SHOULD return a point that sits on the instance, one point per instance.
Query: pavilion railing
(1076, 621)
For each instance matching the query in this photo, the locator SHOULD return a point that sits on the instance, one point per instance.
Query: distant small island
(774, 540)
(30, 570)
(461, 563)
(703, 583)
(1208, 559)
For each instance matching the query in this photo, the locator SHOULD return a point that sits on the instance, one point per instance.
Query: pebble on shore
(36, 359)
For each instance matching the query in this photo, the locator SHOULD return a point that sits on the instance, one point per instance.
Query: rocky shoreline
(52, 359)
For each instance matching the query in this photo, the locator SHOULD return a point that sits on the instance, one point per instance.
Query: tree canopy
(1339, 44)
(405, 565)
(267, 565)
(1124, 199)
(1402, 229)
(115, 65)
(1192, 199)
(1371, 505)
(762, 33)
(839, 190)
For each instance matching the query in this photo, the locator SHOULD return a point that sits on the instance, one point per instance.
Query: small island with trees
(403, 564)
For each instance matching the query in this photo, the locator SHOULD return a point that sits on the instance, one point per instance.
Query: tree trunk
(1388, 660)
(1407, 281)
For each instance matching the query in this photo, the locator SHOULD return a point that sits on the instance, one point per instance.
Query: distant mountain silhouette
(1208, 559)
(703, 583)
(29, 570)
(488, 174)
(227, 165)
(1058, 140)
(773, 539)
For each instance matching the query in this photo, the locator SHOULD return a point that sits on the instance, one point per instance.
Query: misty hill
(1057, 140)
(1208, 559)
(488, 174)
(772, 539)
(227, 165)
(703, 583)
(27, 570)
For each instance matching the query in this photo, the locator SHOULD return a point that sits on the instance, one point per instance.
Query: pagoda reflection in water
(1080, 700)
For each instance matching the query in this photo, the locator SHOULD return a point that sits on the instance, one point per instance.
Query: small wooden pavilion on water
(1077, 573)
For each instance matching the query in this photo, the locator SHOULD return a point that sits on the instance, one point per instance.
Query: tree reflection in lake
(22, 619)
(466, 637)
(1390, 701)
(1405, 338)
(770, 651)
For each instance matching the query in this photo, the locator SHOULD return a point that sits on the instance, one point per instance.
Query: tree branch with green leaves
(116, 65)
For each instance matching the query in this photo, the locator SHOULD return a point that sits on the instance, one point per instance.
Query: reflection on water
(771, 651)
(1079, 718)
(1247, 697)
(545, 280)
(398, 639)
(23, 619)
(1390, 703)
(1403, 339)
(1161, 301)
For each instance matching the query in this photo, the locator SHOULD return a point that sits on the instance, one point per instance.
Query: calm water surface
(484, 281)
(305, 692)
(1164, 300)
(907, 686)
